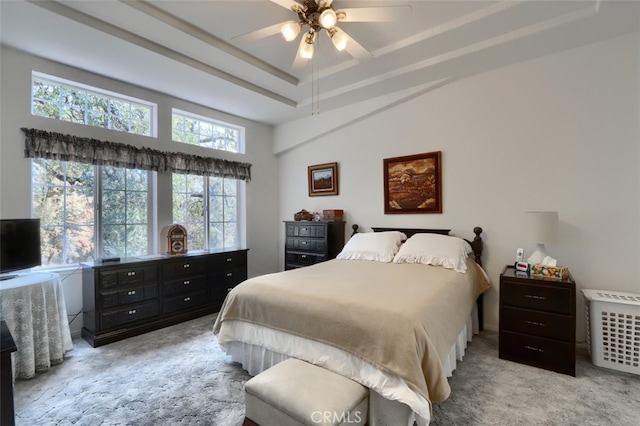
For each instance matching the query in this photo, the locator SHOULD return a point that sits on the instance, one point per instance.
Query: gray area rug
(179, 376)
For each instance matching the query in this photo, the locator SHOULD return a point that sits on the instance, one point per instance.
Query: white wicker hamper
(613, 329)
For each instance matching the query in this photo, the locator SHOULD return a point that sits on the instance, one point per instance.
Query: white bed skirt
(385, 408)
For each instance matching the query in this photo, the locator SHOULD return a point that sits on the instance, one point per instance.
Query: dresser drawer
(127, 276)
(306, 244)
(184, 285)
(537, 351)
(115, 318)
(536, 323)
(129, 295)
(306, 229)
(304, 259)
(185, 301)
(229, 261)
(184, 268)
(543, 298)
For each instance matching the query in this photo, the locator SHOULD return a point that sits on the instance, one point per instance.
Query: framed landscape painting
(323, 179)
(413, 184)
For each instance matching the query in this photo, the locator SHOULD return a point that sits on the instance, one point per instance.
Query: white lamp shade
(543, 226)
(328, 18)
(290, 30)
(339, 39)
(305, 50)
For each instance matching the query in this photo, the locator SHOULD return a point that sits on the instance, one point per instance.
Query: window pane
(113, 240)
(74, 103)
(113, 207)
(231, 235)
(216, 236)
(206, 132)
(63, 199)
(137, 240)
(136, 207)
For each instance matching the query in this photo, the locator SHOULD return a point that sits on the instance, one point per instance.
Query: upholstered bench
(296, 393)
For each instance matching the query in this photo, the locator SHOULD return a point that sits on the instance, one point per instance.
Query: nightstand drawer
(542, 298)
(541, 324)
(538, 352)
(305, 244)
(304, 259)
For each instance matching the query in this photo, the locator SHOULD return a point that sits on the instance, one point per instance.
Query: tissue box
(554, 272)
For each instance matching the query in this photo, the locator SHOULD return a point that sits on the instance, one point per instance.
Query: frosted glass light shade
(290, 30)
(328, 18)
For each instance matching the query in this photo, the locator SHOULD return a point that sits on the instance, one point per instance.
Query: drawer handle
(187, 282)
(305, 229)
(186, 299)
(304, 256)
(131, 312)
(304, 243)
(533, 296)
(532, 348)
(131, 274)
(131, 293)
(539, 324)
(229, 274)
(186, 265)
(229, 259)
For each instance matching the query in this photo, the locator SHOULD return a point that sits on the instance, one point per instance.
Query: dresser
(138, 295)
(538, 321)
(307, 243)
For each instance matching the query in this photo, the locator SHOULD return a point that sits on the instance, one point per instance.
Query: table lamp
(543, 226)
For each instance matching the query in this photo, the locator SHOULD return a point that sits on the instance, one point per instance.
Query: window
(209, 208)
(205, 132)
(64, 100)
(88, 212)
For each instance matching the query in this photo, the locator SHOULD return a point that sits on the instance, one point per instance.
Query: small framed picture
(323, 179)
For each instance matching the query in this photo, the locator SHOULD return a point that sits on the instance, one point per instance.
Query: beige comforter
(401, 318)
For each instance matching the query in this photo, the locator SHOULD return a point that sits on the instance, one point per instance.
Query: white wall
(559, 132)
(15, 178)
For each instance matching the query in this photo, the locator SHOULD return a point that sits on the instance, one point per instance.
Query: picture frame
(413, 183)
(323, 179)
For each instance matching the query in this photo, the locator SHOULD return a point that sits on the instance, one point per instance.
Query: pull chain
(315, 80)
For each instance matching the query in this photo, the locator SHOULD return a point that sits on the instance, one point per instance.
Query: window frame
(210, 121)
(96, 91)
(98, 205)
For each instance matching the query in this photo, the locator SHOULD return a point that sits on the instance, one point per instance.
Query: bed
(394, 312)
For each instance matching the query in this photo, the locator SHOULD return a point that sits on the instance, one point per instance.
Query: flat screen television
(19, 245)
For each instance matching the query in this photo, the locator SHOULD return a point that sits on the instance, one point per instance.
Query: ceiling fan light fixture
(324, 3)
(339, 39)
(305, 50)
(290, 30)
(328, 18)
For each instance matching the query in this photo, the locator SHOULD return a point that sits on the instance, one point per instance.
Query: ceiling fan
(319, 16)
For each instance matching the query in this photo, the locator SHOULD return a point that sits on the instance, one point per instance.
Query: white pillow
(435, 249)
(376, 246)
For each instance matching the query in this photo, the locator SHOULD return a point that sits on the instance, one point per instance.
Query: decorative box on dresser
(308, 242)
(538, 321)
(137, 295)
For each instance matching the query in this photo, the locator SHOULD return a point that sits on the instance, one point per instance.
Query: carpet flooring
(179, 376)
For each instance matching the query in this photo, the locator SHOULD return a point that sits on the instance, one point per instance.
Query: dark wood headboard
(476, 243)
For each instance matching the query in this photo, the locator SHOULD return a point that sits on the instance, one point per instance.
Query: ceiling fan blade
(355, 49)
(299, 63)
(261, 33)
(374, 14)
(289, 4)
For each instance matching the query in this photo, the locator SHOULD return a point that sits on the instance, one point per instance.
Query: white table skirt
(34, 309)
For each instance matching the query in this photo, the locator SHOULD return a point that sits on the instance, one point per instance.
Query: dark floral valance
(56, 146)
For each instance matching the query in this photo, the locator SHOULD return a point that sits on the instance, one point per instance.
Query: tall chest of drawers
(538, 321)
(307, 243)
(134, 296)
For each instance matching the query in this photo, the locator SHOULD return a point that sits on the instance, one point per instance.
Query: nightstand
(538, 321)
